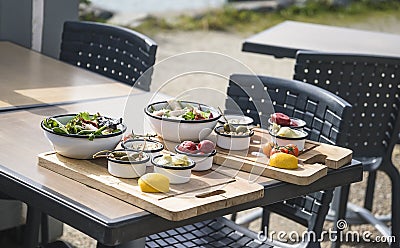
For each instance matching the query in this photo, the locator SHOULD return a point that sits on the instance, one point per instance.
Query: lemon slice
(283, 161)
(154, 183)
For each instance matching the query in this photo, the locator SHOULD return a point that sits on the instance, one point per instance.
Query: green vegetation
(246, 21)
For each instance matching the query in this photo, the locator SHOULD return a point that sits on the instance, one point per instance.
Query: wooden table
(286, 38)
(29, 79)
(101, 216)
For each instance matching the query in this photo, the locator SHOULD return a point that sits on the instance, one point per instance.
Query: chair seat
(218, 232)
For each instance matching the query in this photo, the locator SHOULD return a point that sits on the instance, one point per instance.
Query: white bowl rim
(233, 136)
(79, 135)
(127, 162)
(211, 154)
(123, 144)
(290, 138)
(248, 119)
(147, 112)
(190, 166)
(301, 124)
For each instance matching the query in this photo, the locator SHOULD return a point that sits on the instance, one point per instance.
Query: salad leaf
(188, 115)
(85, 124)
(206, 114)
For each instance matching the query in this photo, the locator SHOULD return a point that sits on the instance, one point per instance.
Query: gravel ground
(230, 44)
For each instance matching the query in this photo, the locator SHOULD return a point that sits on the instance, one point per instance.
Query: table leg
(31, 234)
(340, 212)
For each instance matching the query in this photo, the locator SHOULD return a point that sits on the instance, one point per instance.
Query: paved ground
(229, 48)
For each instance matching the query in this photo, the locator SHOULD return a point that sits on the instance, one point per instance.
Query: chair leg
(233, 217)
(369, 193)
(394, 176)
(341, 212)
(265, 218)
(32, 227)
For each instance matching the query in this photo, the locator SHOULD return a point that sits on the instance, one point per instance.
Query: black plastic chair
(221, 232)
(115, 52)
(327, 118)
(372, 85)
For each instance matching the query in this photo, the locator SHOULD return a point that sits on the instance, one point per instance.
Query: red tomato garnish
(290, 149)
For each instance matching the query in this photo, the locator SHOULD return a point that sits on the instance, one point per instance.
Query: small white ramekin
(203, 161)
(283, 141)
(127, 169)
(175, 174)
(128, 144)
(232, 142)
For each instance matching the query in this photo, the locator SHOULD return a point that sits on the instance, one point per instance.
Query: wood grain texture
(180, 203)
(313, 161)
(31, 78)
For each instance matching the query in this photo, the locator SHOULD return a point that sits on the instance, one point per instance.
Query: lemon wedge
(154, 183)
(283, 161)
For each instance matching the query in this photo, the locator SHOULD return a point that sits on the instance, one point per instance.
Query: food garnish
(267, 147)
(183, 111)
(280, 119)
(120, 155)
(284, 161)
(229, 129)
(204, 147)
(154, 183)
(85, 124)
(176, 160)
(289, 149)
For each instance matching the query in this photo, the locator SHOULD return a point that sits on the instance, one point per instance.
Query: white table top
(286, 38)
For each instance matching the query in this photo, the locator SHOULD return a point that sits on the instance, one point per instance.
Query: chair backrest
(326, 115)
(371, 84)
(115, 52)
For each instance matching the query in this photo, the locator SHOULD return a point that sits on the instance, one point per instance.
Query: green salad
(177, 110)
(85, 124)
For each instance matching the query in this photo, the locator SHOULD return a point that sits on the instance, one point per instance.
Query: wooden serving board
(205, 192)
(313, 161)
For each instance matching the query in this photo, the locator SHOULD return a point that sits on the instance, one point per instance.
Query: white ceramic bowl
(294, 123)
(236, 119)
(127, 169)
(179, 130)
(175, 174)
(79, 146)
(232, 142)
(135, 144)
(283, 141)
(203, 161)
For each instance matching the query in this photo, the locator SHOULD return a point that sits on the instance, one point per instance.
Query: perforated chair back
(327, 116)
(371, 84)
(115, 52)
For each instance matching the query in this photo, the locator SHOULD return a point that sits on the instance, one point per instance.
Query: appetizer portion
(203, 147)
(270, 149)
(176, 160)
(201, 153)
(85, 124)
(177, 168)
(285, 121)
(230, 129)
(233, 138)
(283, 136)
(154, 183)
(284, 161)
(183, 111)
